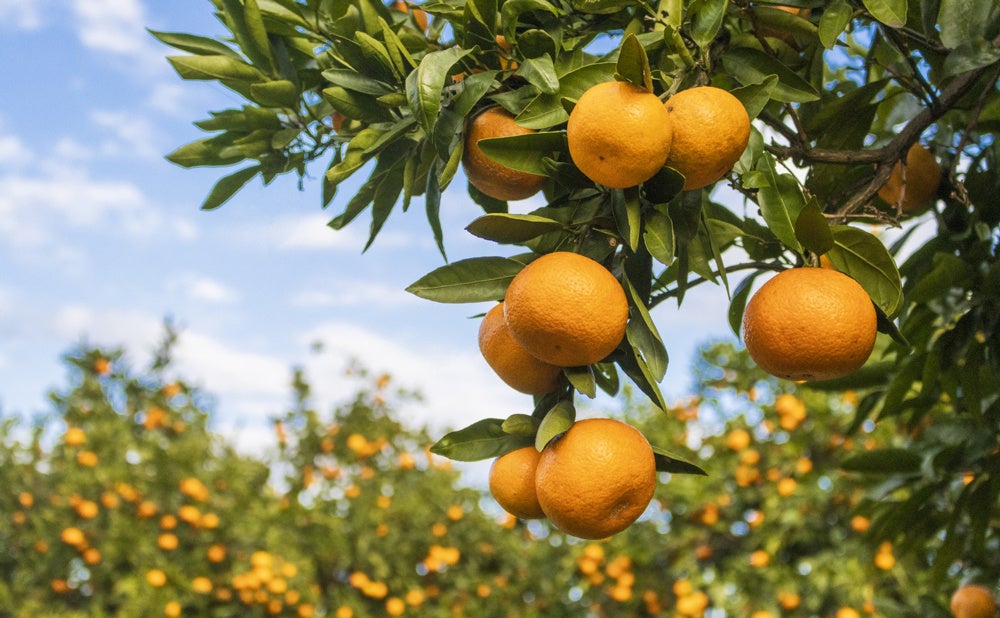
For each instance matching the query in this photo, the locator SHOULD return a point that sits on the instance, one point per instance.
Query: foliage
(349, 510)
(838, 95)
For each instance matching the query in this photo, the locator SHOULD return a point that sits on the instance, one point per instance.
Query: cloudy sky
(101, 240)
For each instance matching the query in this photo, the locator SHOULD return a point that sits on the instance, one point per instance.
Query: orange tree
(838, 94)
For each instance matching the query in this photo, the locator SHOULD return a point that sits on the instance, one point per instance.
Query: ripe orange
(512, 482)
(973, 601)
(596, 479)
(810, 324)
(618, 134)
(508, 358)
(566, 309)
(711, 129)
(494, 179)
(923, 175)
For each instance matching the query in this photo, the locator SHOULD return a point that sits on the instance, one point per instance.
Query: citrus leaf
(483, 439)
(883, 461)
(635, 368)
(467, 281)
(812, 229)
(633, 64)
(626, 209)
(755, 97)
(780, 201)
(658, 236)
(752, 66)
(215, 67)
(512, 229)
(643, 335)
(582, 379)
(193, 44)
(667, 462)
(832, 23)
(278, 93)
(606, 376)
(892, 13)
(424, 85)
(356, 156)
(540, 73)
(602, 6)
(522, 425)
(738, 302)
(227, 186)
(863, 256)
(524, 153)
(706, 20)
(556, 421)
(352, 80)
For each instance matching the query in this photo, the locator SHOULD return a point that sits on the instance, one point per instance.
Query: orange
(156, 578)
(512, 482)
(596, 479)
(973, 601)
(711, 129)
(495, 179)
(618, 134)
(810, 324)
(419, 15)
(508, 358)
(920, 184)
(566, 309)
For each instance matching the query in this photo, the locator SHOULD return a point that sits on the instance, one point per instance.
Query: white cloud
(202, 288)
(128, 135)
(115, 26)
(353, 293)
(13, 151)
(21, 14)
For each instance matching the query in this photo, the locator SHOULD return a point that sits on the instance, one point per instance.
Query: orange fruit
(505, 51)
(419, 15)
(508, 358)
(512, 482)
(973, 601)
(810, 324)
(495, 179)
(596, 479)
(920, 184)
(711, 130)
(566, 309)
(618, 134)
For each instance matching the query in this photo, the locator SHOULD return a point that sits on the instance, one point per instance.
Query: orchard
(829, 167)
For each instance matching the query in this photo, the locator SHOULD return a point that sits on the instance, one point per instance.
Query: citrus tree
(675, 143)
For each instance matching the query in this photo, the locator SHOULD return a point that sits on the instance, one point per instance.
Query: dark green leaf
(525, 153)
(352, 80)
(706, 20)
(864, 257)
(483, 439)
(658, 236)
(522, 425)
(883, 461)
(752, 66)
(555, 422)
(582, 379)
(812, 229)
(738, 302)
(667, 462)
(428, 81)
(892, 13)
(633, 64)
(642, 335)
(832, 23)
(755, 97)
(512, 229)
(540, 73)
(227, 186)
(467, 281)
(602, 6)
(780, 201)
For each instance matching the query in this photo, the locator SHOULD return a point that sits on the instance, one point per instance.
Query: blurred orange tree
(124, 501)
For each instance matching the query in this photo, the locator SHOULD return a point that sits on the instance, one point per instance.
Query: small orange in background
(566, 309)
(419, 15)
(488, 176)
(87, 459)
(74, 436)
(973, 601)
(618, 134)
(511, 362)
(738, 439)
(512, 482)
(711, 129)
(917, 185)
(596, 479)
(810, 324)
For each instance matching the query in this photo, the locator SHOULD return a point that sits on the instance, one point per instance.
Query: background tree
(839, 93)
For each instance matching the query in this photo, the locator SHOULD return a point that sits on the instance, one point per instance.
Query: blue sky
(101, 239)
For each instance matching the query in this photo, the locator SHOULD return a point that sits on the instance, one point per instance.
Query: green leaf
(227, 186)
(199, 45)
(948, 272)
(467, 281)
(706, 20)
(540, 73)
(244, 19)
(643, 336)
(602, 7)
(863, 256)
(525, 153)
(432, 206)
(352, 80)
(556, 421)
(883, 461)
(833, 22)
(484, 439)
(626, 209)
(963, 22)
(755, 97)
(204, 152)
(428, 82)
(738, 302)
(752, 66)
(780, 201)
(215, 67)
(658, 236)
(582, 379)
(606, 376)
(636, 369)
(356, 156)
(892, 13)
(633, 64)
(521, 425)
(667, 462)
(970, 56)
(278, 93)
(512, 229)
(812, 229)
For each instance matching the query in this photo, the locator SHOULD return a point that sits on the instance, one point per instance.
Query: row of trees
(121, 500)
